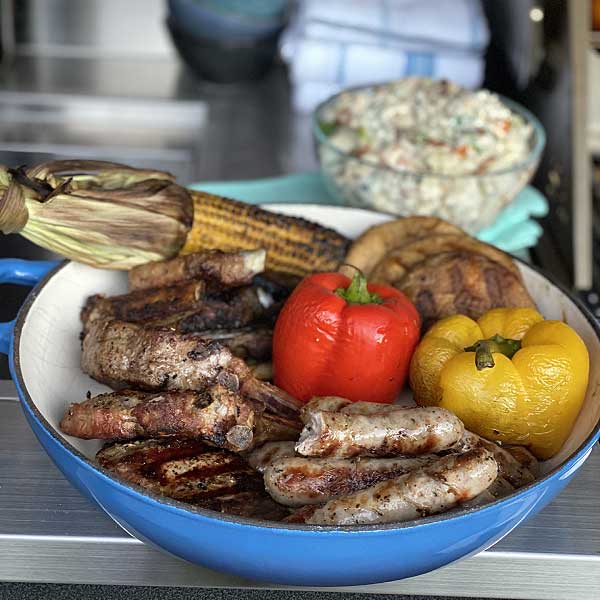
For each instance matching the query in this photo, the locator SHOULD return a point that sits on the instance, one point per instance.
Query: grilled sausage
(528, 460)
(510, 468)
(296, 481)
(437, 488)
(268, 453)
(389, 432)
(338, 404)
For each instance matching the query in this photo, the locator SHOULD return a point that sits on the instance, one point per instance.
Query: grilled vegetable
(293, 245)
(99, 213)
(113, 216)
(510, 377)
(340, 337)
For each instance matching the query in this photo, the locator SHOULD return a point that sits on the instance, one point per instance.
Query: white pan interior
(49, 347)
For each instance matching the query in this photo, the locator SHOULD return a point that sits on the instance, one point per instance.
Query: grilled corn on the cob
(293, 245)
(114, 216)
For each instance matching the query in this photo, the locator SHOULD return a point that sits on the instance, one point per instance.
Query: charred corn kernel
(293, 245)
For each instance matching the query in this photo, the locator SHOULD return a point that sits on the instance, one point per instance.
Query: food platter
(46, 366)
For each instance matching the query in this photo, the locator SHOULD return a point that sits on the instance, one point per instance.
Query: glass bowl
(471, 201)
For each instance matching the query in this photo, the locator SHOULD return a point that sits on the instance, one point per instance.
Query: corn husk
(100, 213)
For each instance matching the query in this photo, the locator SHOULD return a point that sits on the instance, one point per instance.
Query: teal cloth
(514, 231)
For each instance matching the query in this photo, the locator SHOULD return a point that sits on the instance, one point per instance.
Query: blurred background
(223, 90)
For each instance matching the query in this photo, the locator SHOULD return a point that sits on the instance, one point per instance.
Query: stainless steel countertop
(50, 533)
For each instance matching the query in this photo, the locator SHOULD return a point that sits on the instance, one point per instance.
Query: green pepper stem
(357, 292)
(483, 349)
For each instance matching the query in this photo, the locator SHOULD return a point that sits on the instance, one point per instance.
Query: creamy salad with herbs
(430, 136)
(424, 125)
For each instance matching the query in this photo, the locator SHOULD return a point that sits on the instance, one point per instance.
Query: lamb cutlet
(148, 305)
(216, 414)
(191, 471)
(225, 269)
(229, 309)
(127, 355)
(252, 342)
(187, 307)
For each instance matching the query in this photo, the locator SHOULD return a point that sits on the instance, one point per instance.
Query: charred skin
(293, 245)
(191, 471)
(231, 309)
(187, 308)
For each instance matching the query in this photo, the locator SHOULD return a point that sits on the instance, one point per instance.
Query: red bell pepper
(337, 337)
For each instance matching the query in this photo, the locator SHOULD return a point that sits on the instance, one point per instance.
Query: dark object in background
(226, 60)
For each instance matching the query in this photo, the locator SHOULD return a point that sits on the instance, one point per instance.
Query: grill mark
(456, 279)
(493, 287)
(426, 305)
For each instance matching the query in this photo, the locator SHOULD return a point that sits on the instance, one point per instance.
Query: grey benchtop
(49, 533)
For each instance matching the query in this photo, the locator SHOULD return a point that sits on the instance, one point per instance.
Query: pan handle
(21, 272)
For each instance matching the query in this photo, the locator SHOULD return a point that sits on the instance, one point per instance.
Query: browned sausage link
(445, 484)
(337, 404)
(296, 481)
(510, 468)
(526, 458)
(499, 489)
(370, 408)
(408, 431)
(328, 403)
(268, 453)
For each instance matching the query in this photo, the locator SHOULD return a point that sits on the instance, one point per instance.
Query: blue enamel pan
(43, 347)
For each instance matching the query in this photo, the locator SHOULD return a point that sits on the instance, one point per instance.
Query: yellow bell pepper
(511, 376)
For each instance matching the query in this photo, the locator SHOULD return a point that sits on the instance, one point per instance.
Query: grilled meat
(377, 242)
(127, 355)
(191, 471)
(396, 264)
(436, 488)
(262, 457)
(275, 427)
(386, 431)
(215, 414)
(187, 308)
(278, 285)
(509, 467)
(227, 269)
(526, 458)
(296, 481)
(327, 403)
(255, 342)
(462, 283)
(150, 304)
(230, 309)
